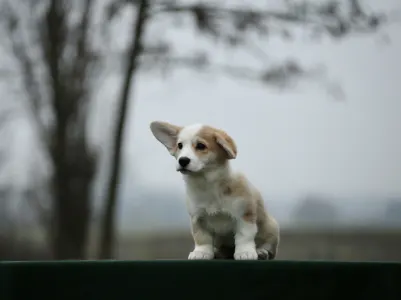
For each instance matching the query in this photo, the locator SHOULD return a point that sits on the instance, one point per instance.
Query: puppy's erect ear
(166, 134)
(226, 143)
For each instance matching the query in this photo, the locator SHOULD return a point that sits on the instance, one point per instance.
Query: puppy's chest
(216, 212)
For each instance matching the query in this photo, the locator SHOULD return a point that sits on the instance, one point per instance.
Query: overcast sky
(289, 142)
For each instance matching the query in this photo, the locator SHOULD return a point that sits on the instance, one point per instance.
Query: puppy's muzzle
(184, 161)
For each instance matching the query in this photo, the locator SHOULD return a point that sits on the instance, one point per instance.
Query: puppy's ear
(166, 134)
(226, 143)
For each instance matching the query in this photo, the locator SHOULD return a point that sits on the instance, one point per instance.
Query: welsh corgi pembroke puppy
(227, 213)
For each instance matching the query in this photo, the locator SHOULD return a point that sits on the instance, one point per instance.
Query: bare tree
(51, 47)
(230, 26)
(135, 48)
(57, 62)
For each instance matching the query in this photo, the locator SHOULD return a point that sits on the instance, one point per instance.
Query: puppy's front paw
(248, 254)
(201, 255)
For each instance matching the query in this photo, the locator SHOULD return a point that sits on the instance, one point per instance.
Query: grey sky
(290, 142)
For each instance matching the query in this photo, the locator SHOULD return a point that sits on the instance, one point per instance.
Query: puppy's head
(197, 148)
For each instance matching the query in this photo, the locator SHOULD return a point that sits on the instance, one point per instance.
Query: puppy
(227, 213)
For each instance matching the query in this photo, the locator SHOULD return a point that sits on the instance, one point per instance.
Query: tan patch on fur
(227, 191)
(209, 136)
(238, 187)
(225, 141)
(254, 211)
(249, 216)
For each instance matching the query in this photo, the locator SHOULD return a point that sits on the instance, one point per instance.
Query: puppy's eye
(200, 146)
(179, 146)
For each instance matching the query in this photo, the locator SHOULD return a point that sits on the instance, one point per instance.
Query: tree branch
(82, 59)
(209, 18)
(279, 75)
(27, 70)
(108, 220)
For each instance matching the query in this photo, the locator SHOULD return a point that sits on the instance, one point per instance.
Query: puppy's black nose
(184, 161)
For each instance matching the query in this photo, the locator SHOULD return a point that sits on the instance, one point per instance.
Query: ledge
(147, 280)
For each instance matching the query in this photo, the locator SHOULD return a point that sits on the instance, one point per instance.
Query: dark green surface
(199, 280)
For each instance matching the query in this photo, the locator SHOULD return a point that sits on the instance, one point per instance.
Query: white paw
(200, 255)
(250, 254)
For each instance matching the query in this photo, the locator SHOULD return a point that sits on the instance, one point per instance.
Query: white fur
(202, 252)
(222, 214)
(245, 247)
(187, 137)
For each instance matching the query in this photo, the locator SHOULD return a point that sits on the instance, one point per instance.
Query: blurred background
(309, 90)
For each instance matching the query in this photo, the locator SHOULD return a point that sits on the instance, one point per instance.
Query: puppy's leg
(245, 248)
(268, 239)
(203, 241)
(267, 251)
